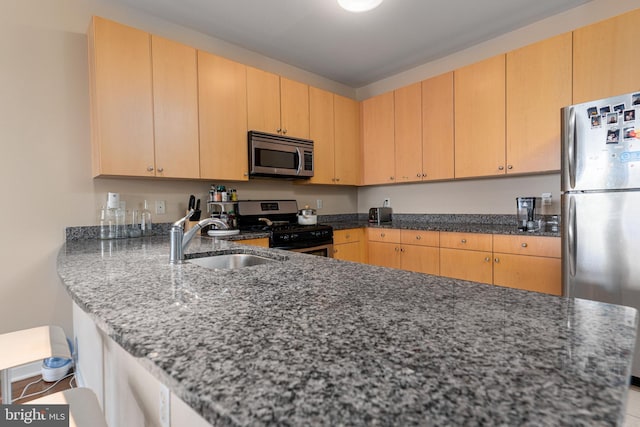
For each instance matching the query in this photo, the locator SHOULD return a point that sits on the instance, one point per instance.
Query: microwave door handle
(300, 160)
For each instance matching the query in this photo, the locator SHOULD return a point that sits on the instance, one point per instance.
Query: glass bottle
(146, 226)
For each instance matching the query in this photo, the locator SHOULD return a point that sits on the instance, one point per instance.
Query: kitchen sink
(230, 261)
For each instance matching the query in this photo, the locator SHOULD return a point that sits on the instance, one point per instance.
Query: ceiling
(354, 49)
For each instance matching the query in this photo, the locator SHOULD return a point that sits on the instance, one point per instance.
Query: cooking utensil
(307, 216)
(192, 202)
(196, 212)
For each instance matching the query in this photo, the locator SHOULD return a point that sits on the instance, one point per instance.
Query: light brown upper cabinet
(335, 131)
(223, 118)
(605, 59)
(321, 131)
(277, 105)
(121, 99)
(347, 140)
(378, 148)
(538, 86)
(143, 103)
(480, 118)
(175, 109)
(437, 128)
(408, 133)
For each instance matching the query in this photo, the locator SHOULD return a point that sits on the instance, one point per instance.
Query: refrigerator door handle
(571, 138)
(571, 236)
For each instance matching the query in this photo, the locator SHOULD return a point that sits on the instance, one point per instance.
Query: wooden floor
(18, 386)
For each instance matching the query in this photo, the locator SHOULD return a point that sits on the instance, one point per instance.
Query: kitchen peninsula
(307, 340)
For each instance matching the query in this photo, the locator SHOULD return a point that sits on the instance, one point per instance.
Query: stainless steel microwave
(280, 156)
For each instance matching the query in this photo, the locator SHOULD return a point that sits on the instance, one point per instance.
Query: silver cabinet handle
(501, 168)
(381, 234)
(284, 131)
(418, 237)
(418, 175)
(149, 168)
(509, 167)
(391, 178)
(497, 260)
(524, 245)
(487, 259)
(337, 179)
(348, 236)
(463, 241)
(160, 170)
(279, 130)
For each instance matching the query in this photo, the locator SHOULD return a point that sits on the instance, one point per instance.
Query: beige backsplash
(478, 196)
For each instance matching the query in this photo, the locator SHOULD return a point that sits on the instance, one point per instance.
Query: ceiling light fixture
(359, 5)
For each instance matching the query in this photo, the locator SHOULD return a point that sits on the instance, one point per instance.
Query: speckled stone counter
(306, 340)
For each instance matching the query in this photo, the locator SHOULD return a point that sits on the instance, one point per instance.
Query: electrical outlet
(546, 199)
(165, 406)
(319, 204)
(386, 203)
(161, 208)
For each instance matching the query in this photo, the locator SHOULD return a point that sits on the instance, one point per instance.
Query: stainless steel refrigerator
(601, 202)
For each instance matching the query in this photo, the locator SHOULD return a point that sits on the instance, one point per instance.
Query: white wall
(45, 161)
(478, 196)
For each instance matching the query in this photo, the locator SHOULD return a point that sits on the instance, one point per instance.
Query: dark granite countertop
(308, 340)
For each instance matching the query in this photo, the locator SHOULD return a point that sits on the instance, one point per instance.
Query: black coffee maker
(528, 213)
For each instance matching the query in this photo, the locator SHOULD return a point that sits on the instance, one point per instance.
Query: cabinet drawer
(469, 241)
(420, 238)
(527, 245)
(384, 235)
(347, 236)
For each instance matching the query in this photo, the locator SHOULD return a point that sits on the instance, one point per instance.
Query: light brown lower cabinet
(524, 262)
(348, 245)
(528, 272)
(466, 265)
(262, 242)
(405, 249)
(532, 263)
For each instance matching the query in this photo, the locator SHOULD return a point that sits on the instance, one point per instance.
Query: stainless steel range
(280, 219)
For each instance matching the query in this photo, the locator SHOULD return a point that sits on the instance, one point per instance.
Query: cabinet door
(437, 128)
(321, 131)
(378, 152)
(538, 86)
(222, 88)
(347, 140)
(263, 101)
(466, 265)
(605, 59)
(348, 251)
(294, 108)
(262, 242)
(480, 118)
(528, 272)
(121, 100)
(408, 133)
(175, 109)
(384, 254)
(421, 259)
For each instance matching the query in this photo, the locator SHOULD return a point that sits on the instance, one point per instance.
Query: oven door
(321, 250)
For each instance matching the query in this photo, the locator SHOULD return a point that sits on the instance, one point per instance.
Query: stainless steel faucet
(180, 241)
